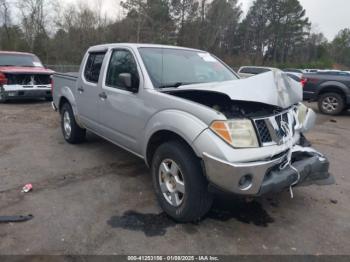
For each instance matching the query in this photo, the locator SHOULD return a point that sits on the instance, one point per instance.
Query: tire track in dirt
(129, 169)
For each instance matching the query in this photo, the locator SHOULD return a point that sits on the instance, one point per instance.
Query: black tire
(335, 108)
(77, 134)
(196, 200)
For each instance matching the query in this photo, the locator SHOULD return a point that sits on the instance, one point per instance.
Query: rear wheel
(331, 103)
(180, 185)
(72, 133)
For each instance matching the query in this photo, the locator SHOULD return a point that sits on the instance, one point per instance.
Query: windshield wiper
(177, 84)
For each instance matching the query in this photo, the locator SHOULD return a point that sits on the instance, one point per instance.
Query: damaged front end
(19, 85)
(283, 160)
(306, 167)
(260, 148)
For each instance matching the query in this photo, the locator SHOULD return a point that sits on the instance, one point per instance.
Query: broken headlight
(302, 112)
(306, 118)
(239, 133)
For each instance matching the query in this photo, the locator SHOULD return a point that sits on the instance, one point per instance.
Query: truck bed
(67, 75)
(65, 80)
(62, 82)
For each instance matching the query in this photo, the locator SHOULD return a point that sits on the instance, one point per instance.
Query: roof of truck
(136, 45)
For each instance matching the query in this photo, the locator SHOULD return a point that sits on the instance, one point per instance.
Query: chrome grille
(275, 129)
(263, 131)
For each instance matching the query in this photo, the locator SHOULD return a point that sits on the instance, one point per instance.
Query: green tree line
(272, 32)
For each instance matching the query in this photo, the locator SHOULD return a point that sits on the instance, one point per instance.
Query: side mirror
(129, 84)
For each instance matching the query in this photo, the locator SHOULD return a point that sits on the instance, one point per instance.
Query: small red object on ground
(27, 188)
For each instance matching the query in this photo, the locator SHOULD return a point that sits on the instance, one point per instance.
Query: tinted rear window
(93, 67)
(20, 60)
(294, 77)
(254, 70)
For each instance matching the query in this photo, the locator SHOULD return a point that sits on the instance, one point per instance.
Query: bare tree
(138, 7)
(33, 18)
(183, 11)
(5, 17)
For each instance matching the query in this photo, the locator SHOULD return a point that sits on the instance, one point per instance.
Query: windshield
(19, 60)
(176, 67)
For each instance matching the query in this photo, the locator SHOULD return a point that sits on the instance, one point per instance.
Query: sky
(327, 16)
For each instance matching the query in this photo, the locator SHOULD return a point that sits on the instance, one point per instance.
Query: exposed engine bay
(223, 103)
(28, 79)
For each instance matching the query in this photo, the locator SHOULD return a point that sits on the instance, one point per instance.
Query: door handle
(81, 89)
(103, 95)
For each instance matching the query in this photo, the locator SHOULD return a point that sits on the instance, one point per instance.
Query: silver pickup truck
(198, 126)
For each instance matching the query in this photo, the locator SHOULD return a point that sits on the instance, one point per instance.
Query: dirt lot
(98, 199)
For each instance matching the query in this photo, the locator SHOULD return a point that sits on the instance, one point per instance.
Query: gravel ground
(98, 199)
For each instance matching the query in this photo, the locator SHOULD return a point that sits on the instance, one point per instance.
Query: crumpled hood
(273, 88)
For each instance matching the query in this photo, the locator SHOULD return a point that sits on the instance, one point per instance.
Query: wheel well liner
(159, 138)
(62, 101)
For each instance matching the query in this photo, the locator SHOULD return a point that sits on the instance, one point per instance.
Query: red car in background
(22, 75)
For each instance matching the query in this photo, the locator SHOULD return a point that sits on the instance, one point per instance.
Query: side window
(263, 70)
(122, 61)
(249, 70)
(245, 70)
(255, 70)
(93, 67)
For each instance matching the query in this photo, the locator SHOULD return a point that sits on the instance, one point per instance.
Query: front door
(122, 111)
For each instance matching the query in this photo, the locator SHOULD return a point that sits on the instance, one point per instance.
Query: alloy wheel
(330, 104)
(171, 181)
(67, 125)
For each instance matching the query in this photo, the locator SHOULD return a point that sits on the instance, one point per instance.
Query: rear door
(88, 90)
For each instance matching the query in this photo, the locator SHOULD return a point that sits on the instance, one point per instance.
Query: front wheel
(181, 188)
(72, 133)
(331, 103)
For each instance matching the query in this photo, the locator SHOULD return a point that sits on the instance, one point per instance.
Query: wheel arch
(71, 101)
(169, 125)
(160, 137)
(334, 87)
(61, 102)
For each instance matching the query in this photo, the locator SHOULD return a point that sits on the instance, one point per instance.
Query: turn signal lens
(302, 112)
(222, 130)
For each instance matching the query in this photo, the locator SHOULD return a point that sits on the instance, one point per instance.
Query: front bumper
(26, 94)
(9, 92)
(258, 178)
